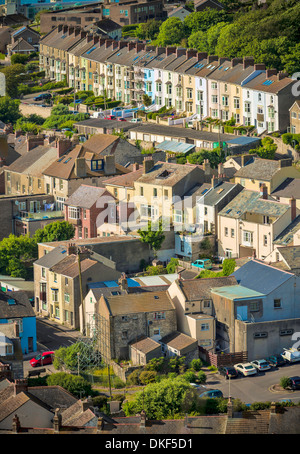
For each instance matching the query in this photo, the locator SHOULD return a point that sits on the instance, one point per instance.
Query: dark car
(276, 360)
(42, 96)
(228, 372)
(211, 394)
(295, 383)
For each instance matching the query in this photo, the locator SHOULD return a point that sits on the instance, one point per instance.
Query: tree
(55, 231)
(171, 32)
(147, 101)
(285, 382)
(19, 58)
(12, 78)
(15, 253)
(75, 384)
(228, 267)
(267, 150)
(154, 235)
(172, 265)
(147, 376)
(9, 109)
(148, 30)
(196, 364)
(162, 400)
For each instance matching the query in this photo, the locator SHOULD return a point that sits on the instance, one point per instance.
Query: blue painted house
(15, 308)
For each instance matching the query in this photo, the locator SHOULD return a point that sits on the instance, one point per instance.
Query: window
(236, 103)
(125, 318)
(124, 335)
(66, 281)
(277, 303)
(154, 192)
(214, 99)
(189, 93)
(54, 295)
(156, 332)
(55, 277)
(266, 220)
(206, 303)
(43, 272)
(177, 216)
(159, 315)
(247, 107)
(226, 231)
(73, 212)
(232, 233)
(247, 238)
(181, 246)
(204, 326)
(214, 85)
(254, 306)
(265, 240)
(67, 297)
(260, 335)
(56, 312)
(286, 332)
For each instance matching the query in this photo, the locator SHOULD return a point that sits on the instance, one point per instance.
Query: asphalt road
(257, 388)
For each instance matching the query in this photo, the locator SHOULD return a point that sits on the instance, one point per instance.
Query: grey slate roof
(260, 169)
(212, 197)
(286, 237)
(52, 258)
(251, 201)
(289, 188)
(22, 308)
(291, 255)
(260, 277)
(85, 196)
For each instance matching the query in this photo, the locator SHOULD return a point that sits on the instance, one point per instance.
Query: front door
(30, 344)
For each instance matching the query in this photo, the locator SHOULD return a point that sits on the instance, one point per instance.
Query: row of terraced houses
(191, 82)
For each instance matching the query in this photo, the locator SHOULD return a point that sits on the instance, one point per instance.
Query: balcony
(38, 216)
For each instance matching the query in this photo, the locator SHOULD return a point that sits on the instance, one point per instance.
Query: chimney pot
(293, 209)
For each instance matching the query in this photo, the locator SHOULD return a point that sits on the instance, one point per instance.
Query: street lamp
(78, 355)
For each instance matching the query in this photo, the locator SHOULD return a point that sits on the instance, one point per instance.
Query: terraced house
(192, 82)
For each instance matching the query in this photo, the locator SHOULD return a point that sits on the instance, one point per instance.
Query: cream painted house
(250, 223)
(270, 172)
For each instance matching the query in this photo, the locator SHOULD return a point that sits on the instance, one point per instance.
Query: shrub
(147, 377)
(202, 377)
(285, 382)
(155, 364)
(260, 406)
(73, 383)
(190, 376)
(228, 267)
(196, 364)
(133, 378)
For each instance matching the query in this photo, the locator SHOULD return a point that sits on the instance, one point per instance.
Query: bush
(155, 364)
(202, 377)
(19, 58)
(285, 382)
(75, 384)
(228, 267)
(196, 364)
(190, 376)
(147, 377)
(260, 406)
(133, 378)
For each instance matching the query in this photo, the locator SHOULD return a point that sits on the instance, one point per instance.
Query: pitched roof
(144, 302)
(291, 256)
(145, 344)
(197, 289)
(178, 340)
(53, 396)
(52, 257)
(76, 416)
(126, 180)
(35, 161)
(217, 193)
(261, 277)
(270, 84)
(236, 292)
(289, 188)
(15, 304)
(168, 174)
(252, 201)
(260, 169)
(23, 45)
(86, 196)
(286, 237)
(68, 266)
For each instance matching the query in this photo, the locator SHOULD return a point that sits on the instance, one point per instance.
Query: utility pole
(81, 292)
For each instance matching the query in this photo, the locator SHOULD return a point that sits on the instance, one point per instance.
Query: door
(30, 344)
(242, 313)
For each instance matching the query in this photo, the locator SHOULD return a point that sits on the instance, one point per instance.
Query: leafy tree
(147, 376)
(15, 252)
(147, 101)
(202, 377)
(155, 270)
(12, 78)
(172, 265)
(75, 384)
(153, 236)
(9, 109)
(267, 150)
(190, 376)
(162, 400)
(203, 20)
(148, 30)
(155, 364)
(228, 267)
(215, 157)
(171, 32)
(55, 231)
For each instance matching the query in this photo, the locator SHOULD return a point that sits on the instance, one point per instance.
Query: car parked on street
(276, 360)
(205, 264)
(42, 359)
(211, 394)
(42, 96)
(295, 383)
(228, 372)
(245, 369)
(261, 365)
(121, 119)
(110, 117)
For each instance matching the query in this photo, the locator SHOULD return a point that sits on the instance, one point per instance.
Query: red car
(42, 359)
(110, 117)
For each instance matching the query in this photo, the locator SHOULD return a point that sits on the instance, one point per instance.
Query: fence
(223, 359)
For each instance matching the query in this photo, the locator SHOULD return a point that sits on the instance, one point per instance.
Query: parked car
(276, 360)
(42, 359)
(245, 369)
(121, 119)
(78, 101)
(228, 372)
(42, 96)
(261, 365)
(206, 264)
(295, 383)
(211, 394)
(66, 129)
(291, 355)
(110, 117)
(136, 120)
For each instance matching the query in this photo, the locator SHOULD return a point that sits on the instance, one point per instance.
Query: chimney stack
(281, 75)
(293, 208)
(100, 424)
(20, 385)
(180, 51)
(16, 424)
(148, 164)
(71, 249)
(191, 53)
(34, 141)
(264, 191)
(123, 282)
(206, 167)
(57, 421)
(130, 46)
(236, 61)
(62, 146)
(80, 168)
(248, 61)
(143, 418)
(170, 50)
(201, 55)
(220, 169)
(259, 67)
(109, 165)
(135, 167)
(212, 58)
(271, 72)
